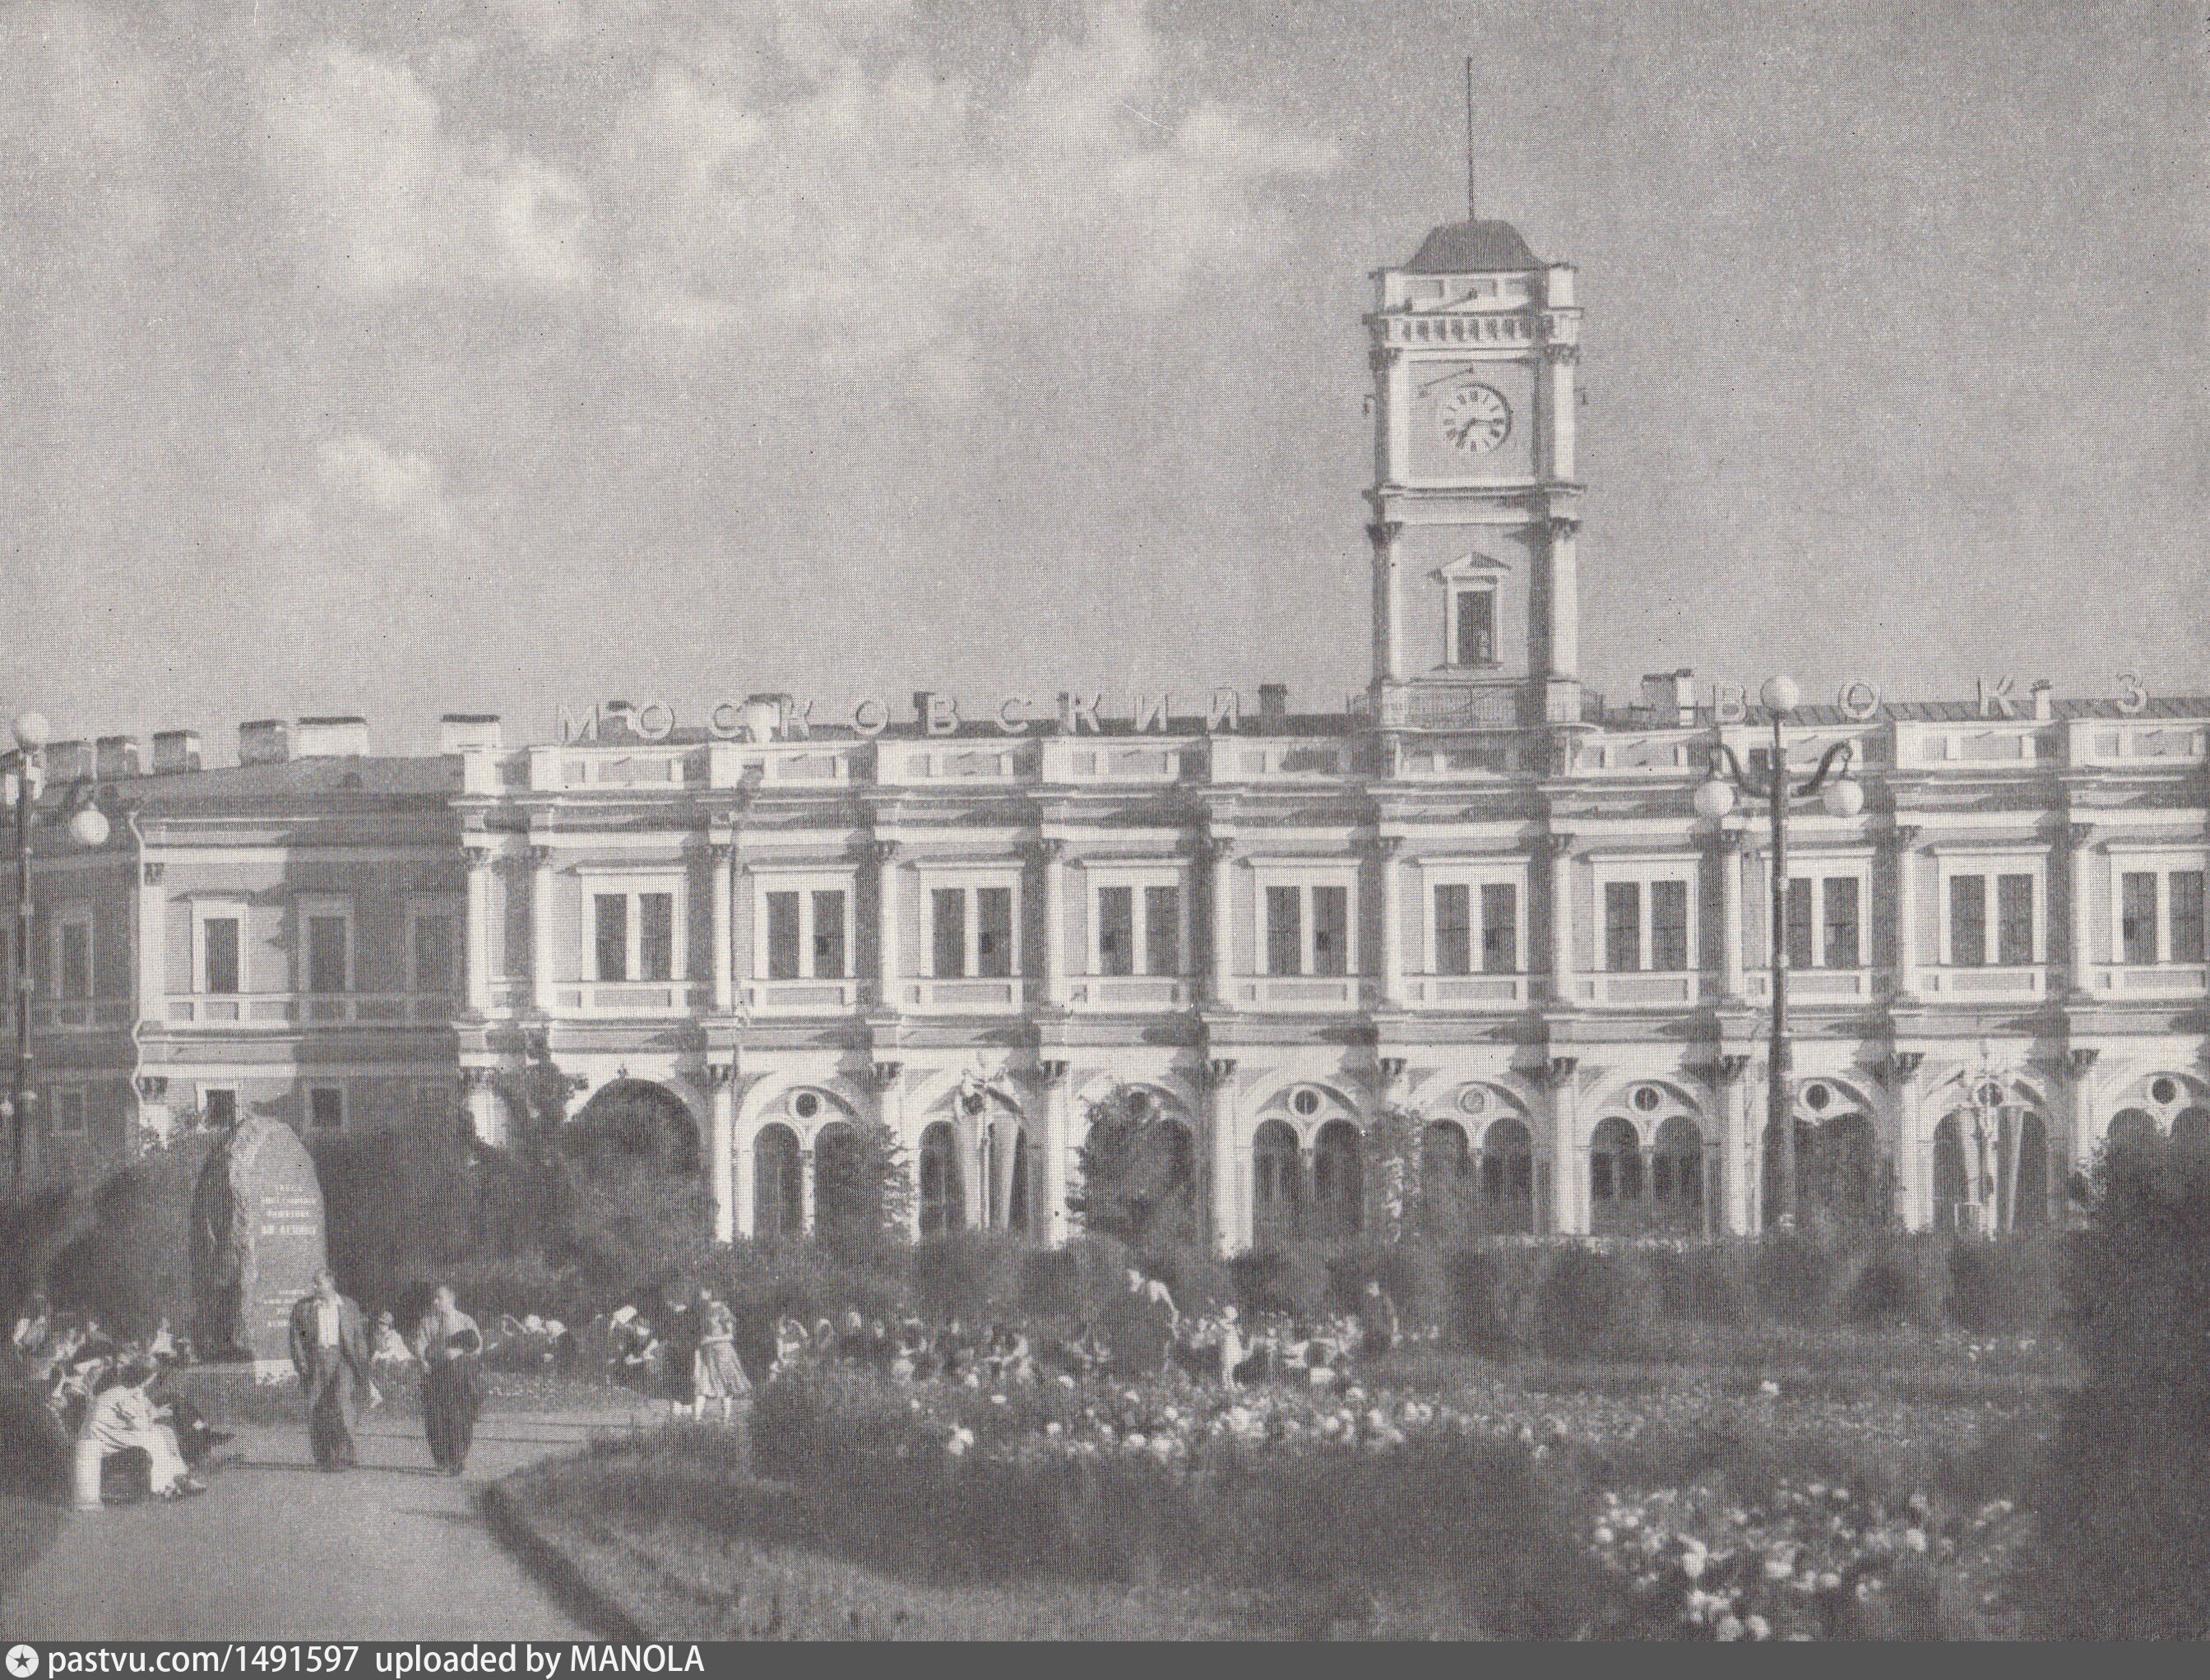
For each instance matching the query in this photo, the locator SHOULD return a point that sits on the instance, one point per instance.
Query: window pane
(326, 954)
(1116, 929)
(326, 1108)
(611, 911)
(1500, 929)
(1623, 926)
(993, 932)
(1284, 930)
(1844, 945)
(1669, 926)
(829, 935)
(1331, 930)
(1968, 920)
(2014, 905)
(782, 942)
(1453, 930)
(1162, 930)
(655, 936)
(948, 932)
(1477, 627)
(2137, 915)
(2187, 916)
(221, 1107)
(219, 936)
(76, 960)
(433, 954)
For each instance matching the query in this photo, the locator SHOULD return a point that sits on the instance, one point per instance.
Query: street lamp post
(1838, 797)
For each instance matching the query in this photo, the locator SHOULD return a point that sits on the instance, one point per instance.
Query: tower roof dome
(1473, 248)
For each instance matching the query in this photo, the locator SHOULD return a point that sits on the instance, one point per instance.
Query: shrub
(35, 1448)
(1480, 1317)
(1051, 1283)
(1702, 1285)
(963, 1273)
(1591, 1303)
(2125, 1513)
(1889, 1293)
(33, 1230)
(1408, 1271)
(1196, 1277)
(1135, 1172)
(130, 1264)
(2008, 1286)
(1279, 1281)
(1792, 1276)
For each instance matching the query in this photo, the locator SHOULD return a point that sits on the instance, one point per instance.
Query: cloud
(385, 199)
(366, 496)
(848, 199)
(79, 168)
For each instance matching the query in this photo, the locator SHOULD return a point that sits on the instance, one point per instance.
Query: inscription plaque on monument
(257, 1235)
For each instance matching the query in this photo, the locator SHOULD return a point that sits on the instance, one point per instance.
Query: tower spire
(1472, 213)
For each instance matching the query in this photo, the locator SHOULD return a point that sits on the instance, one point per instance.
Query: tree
(1136, 1172)
(1393, 1146)
(863, 1198)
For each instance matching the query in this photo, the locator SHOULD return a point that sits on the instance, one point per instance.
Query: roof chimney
(468, 731)
(176, 751)
(115, 757)
(1274, 703)
(264, 741)
(330, 737)
(69, 761)
(1670, 697)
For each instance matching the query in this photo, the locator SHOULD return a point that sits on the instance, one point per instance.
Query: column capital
(1729, 840)
(477, 1078)
(1051, 1071)
(2079, 834)
(1555, 844)
(1561, 525)
(1048, 848)
(154, 871)
(1557, 1072)
(1390, 1069)
(883, 1074)
(1383, 356)
(2079, 1059)
(879, 850)
(1385, 846)
(1218, 1070)
(479, 852)
(538, 855)
(152, 1088)
(1906, 835)
(1557, 350)
(1384, 532)
(1900, 1067)
(722, 848)
(1215, 848)
(1729, 1067)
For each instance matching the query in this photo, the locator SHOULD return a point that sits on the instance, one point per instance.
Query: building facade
(1478, 898)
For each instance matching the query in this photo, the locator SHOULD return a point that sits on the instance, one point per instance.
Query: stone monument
(257, 1242)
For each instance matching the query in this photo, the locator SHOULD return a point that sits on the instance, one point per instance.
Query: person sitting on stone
(390, 1347)
(123, 1416)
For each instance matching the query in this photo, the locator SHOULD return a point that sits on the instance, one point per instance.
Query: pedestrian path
(277, 1551)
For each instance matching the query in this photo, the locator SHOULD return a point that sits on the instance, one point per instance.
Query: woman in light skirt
(716, 1372)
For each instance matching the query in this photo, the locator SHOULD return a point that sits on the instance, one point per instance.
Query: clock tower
(1474, 344)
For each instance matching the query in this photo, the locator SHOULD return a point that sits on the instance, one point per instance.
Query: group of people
(335, 1354)
(1140, 1333)
(114, 1394)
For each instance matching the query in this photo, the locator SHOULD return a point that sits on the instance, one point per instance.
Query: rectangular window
(947, 909)
(829, 954)
(219, 946)
(1845, 943)
(1500, 929)
(993, 932)
(76, 958)
(1331, 930)
(1453, 930)
(326, 1108)
(1477, 627)
(1285, 933)
(1623, 926)
(783, 947)
(1116, 929)
(433, 953)
(219, 1108)
(69, 1114)
(1669, 926)
(2014, 925)
(1162, 930)
(655, 936)
(2137, 915)
(2186, 929)
(326, 953)
(1799, 923)
(610, 912)
(1968, 920)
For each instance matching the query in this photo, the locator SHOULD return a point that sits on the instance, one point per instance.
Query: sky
(501, 355)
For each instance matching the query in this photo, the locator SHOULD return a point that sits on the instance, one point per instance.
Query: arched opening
(2025, 1182)
(1338, 1180)
(1840, 1180)
(778, 1184)
(2130, 1128)
(1446, 1178)
(844, 1201)
(943, 1193)
(1277, 1188)
(1615, 1177)
(1955, 1207)
(1676, 1178)
(1506, 1206)
(2190, 1128)
(632, 1123)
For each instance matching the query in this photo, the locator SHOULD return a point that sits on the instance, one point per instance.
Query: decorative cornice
(1900, 1068)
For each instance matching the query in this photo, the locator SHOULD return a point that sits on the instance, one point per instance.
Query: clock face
(1475, 419)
